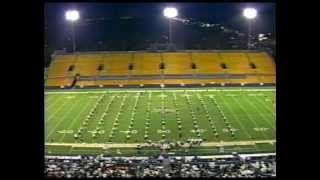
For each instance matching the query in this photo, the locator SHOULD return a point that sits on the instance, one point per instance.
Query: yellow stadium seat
(87, 65)
(116, 64)
(59, 82)
(268, 79)
(207, 63)
(177, 63)
(238, 67)
(60, 65)
(264, 63)
(237, 63)
(146, 64)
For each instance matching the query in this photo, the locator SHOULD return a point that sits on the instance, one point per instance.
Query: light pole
(170, 13)
(72, 16)
(250, 14)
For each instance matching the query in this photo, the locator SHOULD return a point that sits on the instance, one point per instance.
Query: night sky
(128, 26)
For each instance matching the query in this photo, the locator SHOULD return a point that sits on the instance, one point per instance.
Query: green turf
(250, 113)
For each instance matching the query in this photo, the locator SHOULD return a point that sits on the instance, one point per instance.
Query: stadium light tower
(170, 12)
(72, 16)
(249, 14)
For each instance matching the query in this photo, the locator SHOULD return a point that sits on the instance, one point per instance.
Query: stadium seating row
(258, 66)
(59, 82)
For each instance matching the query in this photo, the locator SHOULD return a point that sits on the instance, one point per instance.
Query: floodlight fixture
(170, 12)
(72, 15)
(250, 13)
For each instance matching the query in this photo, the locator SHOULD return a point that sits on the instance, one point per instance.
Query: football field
(109, 121)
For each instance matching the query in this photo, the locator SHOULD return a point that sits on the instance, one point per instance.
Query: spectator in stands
(159, 166)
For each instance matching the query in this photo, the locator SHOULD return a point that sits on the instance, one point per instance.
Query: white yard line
(131, 110)
(260, 114)
(51, 104)
(110, 102)
(78, 115)
(223, 124)
(48, 99)
(146, 131)
(192, 110)
(264, 105)
(108, 107)
(58, 109)
(117, 116)
(206, 108)
(249, 116)
(60, 119)
(93, 123)
(235, 117)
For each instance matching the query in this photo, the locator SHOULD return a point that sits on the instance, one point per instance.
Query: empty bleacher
(87, 64)
(116, 64)
(177, 63)
(263, 62)
(207, 63)
(185, 67)
(57, 82)
(237, 63)
(268, 79)
(146, 64)
(59, 67)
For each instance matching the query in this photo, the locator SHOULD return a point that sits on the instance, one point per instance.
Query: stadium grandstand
(168, 113)
(182, 68)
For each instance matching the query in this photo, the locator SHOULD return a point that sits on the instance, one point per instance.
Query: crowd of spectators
(160, 166)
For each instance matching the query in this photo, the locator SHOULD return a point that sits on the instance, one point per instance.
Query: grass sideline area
(134, 116)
